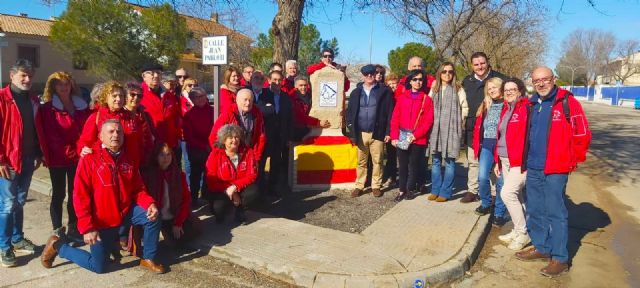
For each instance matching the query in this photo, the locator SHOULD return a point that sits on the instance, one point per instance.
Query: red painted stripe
(327, 176)
(326, 140)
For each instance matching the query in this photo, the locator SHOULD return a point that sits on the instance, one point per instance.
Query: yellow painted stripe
(326, 157)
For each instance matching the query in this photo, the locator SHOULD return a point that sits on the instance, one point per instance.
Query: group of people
(119, 159)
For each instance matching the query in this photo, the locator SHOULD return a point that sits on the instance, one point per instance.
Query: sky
(354, 29)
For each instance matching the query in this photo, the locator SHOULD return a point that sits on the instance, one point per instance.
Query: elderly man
(162, 105)
(559, 137)
(291, 72)
(20, 155)
(246, 115)
(108, 193)
(245, 81)
(368, 115)
(473, 86)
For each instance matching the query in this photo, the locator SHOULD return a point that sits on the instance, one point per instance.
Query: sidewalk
(415, 240)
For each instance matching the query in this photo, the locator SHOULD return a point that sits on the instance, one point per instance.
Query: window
(31, 53)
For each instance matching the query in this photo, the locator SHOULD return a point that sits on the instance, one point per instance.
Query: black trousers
(220, 202)
(278, 170)
(411, 164)
(198, 159)
(391, 167)
(61, 178)
(187, 228)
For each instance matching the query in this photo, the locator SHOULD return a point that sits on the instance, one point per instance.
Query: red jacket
(165, 114)
(221, 173)
(227, 100)
(137, 136)
(59, 131)
(185, 104)
(516, 132)
(197, 125)
(405, 114)
(400, 88)
(179, 195)
(317, 66)
(105, 190)
(258, 136)
(11, 125)
(301, 111)
(567, 143)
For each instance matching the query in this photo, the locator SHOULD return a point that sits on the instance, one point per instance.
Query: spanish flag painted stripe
(326, 176)
(326, 157)
(326, 140)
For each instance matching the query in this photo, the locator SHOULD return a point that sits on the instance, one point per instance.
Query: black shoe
(424, 189)
(412, 194)
(240, 217)
(482, 210)
(499, 221)
(401, 196)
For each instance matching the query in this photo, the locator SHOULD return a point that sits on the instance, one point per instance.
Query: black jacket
(474, 89)
(383, 112)
(278, 127)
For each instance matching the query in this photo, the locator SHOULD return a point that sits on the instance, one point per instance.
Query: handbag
(403, 138)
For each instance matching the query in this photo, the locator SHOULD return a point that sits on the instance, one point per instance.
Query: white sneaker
(519, 242)
(507, 238)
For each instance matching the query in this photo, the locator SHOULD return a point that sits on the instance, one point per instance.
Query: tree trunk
(286, 30)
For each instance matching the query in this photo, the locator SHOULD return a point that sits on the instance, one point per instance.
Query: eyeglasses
(380, 72)
(450, 72)
(369, 74)
(545, 80)
(327, 56)
(513, 90)
(416, 79)
(182, 76)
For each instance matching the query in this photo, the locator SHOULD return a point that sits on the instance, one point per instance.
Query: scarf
(447, 124)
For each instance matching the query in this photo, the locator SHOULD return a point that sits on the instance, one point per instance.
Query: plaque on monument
(327, 96)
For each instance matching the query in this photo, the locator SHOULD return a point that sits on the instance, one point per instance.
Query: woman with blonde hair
(229, 89)
(485, 135)
(185, 103)
(137, 136)
(59, 122)
(450, 107)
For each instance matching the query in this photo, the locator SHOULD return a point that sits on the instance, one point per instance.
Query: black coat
(384, 109)
(278, 126)
(474, 89)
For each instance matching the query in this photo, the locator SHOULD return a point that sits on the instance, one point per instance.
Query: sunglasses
(450, 72)
(192, 85)
(133, 94)
(416, 79)
(182, 76)
(327, 56)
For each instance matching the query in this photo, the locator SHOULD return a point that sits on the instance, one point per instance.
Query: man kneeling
(108, 192)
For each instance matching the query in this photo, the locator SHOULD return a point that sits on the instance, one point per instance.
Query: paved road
(604, 220)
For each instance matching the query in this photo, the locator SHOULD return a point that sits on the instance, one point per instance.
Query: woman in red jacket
(59, 123)
(167, 184)
(410, 125)
(111, 106)
(197, 125)
(229, 89)
(512, 129)
(232, 170)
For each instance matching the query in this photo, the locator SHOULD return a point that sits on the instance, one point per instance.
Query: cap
(368, 69)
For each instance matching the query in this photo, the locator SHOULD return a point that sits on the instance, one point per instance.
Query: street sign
(214, 50)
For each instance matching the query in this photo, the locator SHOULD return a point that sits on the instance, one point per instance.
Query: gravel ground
(333, 209)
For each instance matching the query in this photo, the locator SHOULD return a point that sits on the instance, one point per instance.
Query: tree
(627, 64)
(589, 49)
(399, 57)
(116, 40)
(286, 29)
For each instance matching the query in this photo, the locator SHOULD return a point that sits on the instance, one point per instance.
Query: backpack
(565, 108)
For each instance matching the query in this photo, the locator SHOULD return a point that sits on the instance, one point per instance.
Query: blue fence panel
(582, 91)
(621, 93)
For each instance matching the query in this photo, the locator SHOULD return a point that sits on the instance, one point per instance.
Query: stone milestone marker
(325, 159)
(327, 99)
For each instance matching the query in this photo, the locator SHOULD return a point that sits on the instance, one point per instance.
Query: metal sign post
(214, 52)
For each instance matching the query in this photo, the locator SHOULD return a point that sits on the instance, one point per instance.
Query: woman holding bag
(410, 124)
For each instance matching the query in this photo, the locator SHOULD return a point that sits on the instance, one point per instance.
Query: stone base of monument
(324, 160)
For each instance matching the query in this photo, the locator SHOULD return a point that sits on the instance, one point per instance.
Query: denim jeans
(96, 260)
(186, 163)
(547, 216)
(485, 169)
(13, 196)
(440, 186)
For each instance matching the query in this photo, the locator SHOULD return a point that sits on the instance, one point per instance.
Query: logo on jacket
(242, 166)
(126, 169)
(557, 115)
(515, 118)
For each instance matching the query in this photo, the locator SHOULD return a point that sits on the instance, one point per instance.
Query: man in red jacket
(20, 155)
(108, 193)
(558, 138)
(327, 61)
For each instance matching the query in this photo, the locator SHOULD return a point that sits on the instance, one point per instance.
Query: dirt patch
(333, 209)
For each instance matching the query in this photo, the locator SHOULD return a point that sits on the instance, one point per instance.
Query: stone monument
(325, 159)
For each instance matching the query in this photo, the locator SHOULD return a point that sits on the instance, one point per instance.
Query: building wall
(51, 60)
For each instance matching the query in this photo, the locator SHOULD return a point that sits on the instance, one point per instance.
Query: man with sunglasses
(368, 115)
(473, 86)
(327, 61)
